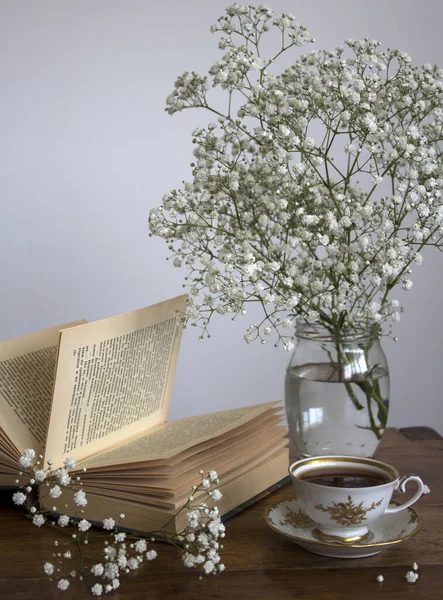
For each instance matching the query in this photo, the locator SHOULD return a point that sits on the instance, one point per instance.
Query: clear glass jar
(336, 392)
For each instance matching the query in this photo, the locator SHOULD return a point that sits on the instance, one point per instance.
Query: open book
(99, 392)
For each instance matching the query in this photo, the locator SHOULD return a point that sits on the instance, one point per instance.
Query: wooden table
(260, 564)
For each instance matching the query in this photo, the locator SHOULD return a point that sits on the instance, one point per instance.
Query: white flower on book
(213, 475)
(25, 461)
(80, 498)
(40, 476)
(55, 492)
(216, 495)
(63, 476)
(108, 524)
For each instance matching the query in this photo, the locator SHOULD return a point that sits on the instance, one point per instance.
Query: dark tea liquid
(345, 479)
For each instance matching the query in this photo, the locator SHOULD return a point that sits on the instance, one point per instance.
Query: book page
(176, 436)
(27, 368)
(221, 463)
(114, 379)
(190, 457)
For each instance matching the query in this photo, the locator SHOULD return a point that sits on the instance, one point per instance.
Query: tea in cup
(344, 494)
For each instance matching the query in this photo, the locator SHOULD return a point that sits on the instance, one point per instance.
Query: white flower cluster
(411, 576)
(204, 530)
(321, 228)
(38, 476)
(121, 553)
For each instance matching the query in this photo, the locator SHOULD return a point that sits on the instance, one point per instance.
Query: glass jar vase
(336, 392)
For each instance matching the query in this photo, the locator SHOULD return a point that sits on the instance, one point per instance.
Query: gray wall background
(86, 150)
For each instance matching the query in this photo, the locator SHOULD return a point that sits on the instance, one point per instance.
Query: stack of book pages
(99, 393)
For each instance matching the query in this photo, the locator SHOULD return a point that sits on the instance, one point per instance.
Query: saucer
(288, 518)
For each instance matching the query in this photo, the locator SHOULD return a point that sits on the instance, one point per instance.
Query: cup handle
(402, 487)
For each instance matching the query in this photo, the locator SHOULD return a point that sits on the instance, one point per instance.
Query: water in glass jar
(323, 418)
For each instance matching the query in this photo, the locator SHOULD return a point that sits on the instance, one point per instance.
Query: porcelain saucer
(288, 518)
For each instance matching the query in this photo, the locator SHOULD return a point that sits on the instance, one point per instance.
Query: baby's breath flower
(97, 589)
(108, 524)
(411, 577)
(63, 477)
(97, 569)
(216, 495)
(40, 475)
(140, 546)
(273, 225)
(133, 563)
(84, 525)
(380, 578)
(208, 567)
(63, 584)
(55, 492)
(212, 475)
(63, 521)
(48, 568)
(415, 566)
(151, 555)
(80, 498)
(25, 461)
(19, 498)
(38, 520)
(70, 463)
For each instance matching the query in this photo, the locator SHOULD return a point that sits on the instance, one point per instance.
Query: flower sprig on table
(199, 542)
(315, 189)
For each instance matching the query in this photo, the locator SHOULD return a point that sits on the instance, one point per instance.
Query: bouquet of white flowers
(314, 189)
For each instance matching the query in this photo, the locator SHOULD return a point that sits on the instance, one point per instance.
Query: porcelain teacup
(343, 495)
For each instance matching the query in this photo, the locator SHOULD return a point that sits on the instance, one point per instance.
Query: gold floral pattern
(414, 518)
(348, 513)
(297, 519)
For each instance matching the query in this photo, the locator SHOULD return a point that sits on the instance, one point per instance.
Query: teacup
(344, 494)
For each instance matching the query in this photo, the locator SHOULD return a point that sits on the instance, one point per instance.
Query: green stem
(352, 396)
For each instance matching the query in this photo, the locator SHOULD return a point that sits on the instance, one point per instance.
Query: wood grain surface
(260, 564)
